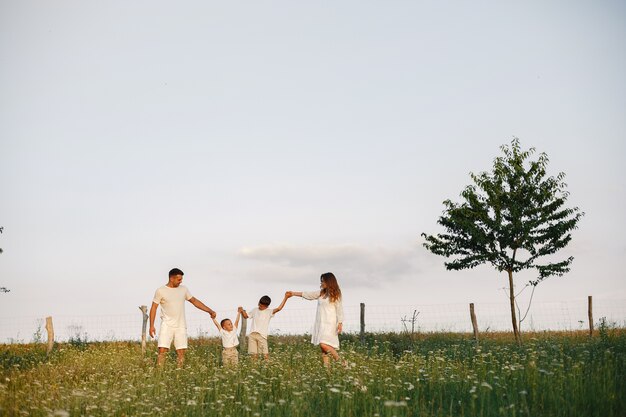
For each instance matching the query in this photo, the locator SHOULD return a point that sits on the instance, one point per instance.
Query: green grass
(552, 374)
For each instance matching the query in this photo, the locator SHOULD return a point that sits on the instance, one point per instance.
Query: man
(171, 298)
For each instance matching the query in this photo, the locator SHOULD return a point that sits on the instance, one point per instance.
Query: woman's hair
(332, 288)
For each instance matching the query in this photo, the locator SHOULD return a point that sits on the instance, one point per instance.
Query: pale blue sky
(257, 145)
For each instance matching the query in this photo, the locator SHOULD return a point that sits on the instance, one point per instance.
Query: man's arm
(244, 313)
(280, 307)
(153, 310)
(200, 305)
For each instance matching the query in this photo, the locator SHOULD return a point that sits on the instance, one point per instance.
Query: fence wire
(568, 315)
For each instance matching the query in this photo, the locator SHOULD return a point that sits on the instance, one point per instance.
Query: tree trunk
(518, 338)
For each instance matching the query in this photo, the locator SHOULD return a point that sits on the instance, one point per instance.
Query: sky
(256, 145)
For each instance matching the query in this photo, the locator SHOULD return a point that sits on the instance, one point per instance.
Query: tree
(512, 218)
(3, 289)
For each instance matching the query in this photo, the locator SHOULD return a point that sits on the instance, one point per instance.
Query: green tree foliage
(513, 218)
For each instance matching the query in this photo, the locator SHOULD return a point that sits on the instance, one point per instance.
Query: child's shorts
(177, 334)
(257, 344)
(230, 356)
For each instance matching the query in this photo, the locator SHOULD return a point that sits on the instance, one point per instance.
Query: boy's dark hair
(223, 321)
(265, 300)
(176, 271)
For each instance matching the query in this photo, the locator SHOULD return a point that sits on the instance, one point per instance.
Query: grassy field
(552, 374)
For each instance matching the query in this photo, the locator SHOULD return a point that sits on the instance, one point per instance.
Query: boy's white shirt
(229, 339)
(261, 321)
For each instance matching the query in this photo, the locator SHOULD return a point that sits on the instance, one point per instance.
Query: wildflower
(391, 403)
(486, 385)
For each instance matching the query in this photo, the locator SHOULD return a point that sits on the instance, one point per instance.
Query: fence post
(144, 313)
(474, 322)
(590, 313)
(242, 335)
(362, 335)
(50, 330)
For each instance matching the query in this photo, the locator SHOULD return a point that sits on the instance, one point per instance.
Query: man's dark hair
(265, 300)
(223, 321)
(176, 271)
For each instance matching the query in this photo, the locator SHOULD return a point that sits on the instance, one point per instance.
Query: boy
(261, 316)
(230, 341)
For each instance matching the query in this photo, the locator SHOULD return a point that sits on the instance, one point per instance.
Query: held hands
(289, 294)
(213, 314)
(239, 309)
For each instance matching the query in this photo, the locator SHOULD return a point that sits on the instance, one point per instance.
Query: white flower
(391, 403)
(486, 385)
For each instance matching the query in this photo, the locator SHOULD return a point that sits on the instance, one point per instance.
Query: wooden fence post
(590, 313)
(242, 335)
(50, 330)
(144, 313)
(362, 336)
(474, 322)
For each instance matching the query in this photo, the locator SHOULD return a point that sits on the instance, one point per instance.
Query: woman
(329, 316)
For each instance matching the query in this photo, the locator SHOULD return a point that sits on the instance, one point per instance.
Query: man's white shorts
(177, 334)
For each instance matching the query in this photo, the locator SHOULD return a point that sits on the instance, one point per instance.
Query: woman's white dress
(326, 319)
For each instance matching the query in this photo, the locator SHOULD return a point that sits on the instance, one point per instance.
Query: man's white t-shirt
(172, 302)
(261, 321)
(229, 339)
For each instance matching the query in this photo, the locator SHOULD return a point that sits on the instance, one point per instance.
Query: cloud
(356, 264)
